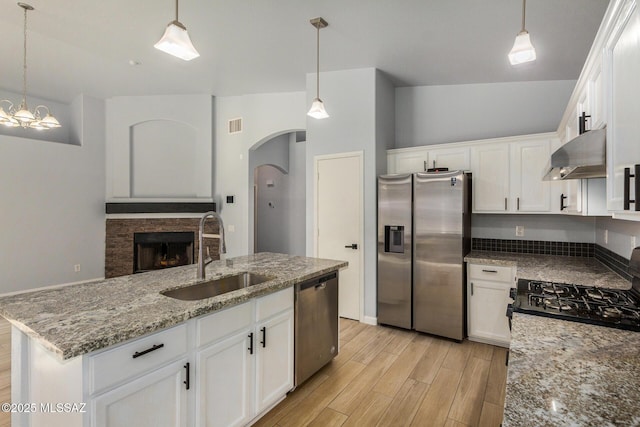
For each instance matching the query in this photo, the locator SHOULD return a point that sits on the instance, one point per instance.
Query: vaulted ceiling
(253, 46)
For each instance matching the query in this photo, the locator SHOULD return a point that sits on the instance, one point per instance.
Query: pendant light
(522, 50)
(317, 110)
(22, 116)
(175, 41)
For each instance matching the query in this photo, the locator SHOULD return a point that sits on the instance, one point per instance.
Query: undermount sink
(215, 287)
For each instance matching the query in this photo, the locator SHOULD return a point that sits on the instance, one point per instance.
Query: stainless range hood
(582, 157)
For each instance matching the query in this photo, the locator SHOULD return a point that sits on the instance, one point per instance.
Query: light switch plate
(519, 230)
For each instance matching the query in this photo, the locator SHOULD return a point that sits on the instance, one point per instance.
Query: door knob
(352, 246)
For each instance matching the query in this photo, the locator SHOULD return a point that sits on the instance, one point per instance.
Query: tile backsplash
(540, 247)
(615, 262)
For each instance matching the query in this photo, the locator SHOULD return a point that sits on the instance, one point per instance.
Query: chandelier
(41, 117)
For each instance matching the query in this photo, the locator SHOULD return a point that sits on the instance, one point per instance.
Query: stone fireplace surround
(119, 245)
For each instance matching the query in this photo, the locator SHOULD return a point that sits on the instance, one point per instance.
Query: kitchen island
(118, 347)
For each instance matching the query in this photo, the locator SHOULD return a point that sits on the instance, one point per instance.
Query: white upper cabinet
(419, 159)
(454, 158)
(490, 169)
(530, 192)
(507, 175)
(623, 133)
(407, 161)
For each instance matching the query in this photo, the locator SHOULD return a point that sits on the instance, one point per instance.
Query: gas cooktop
(599, 306)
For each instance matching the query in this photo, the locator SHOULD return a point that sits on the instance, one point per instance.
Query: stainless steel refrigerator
(424, 232)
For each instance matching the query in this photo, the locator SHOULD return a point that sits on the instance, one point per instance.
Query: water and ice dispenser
(394, 238)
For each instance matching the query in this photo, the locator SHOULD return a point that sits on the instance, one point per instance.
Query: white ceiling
(254, 46)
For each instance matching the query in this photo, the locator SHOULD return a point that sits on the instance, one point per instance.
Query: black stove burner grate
(606, 307)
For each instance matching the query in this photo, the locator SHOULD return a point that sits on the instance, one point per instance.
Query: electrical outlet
(606, 236)
(76, 268)
(519, 230)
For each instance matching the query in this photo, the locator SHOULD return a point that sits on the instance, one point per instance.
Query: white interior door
(339, 219)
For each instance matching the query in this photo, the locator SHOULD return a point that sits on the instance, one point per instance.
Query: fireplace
(155, 251)
(128, 249)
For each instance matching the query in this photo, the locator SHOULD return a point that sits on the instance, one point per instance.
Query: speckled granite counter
(576, 270)
(78, 319)
(565, 373)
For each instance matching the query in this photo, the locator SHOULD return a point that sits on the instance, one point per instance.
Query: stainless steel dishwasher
(316, 325)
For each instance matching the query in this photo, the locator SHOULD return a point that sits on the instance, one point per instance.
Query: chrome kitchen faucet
(202, 235)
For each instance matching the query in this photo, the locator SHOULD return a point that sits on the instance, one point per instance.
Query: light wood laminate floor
(391, 377)
(382, 377)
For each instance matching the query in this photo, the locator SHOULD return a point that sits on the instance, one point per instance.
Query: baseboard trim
(370, 320)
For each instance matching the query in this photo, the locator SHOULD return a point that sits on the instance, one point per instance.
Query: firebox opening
(155, 251)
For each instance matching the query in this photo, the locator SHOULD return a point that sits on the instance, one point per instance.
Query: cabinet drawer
(274, 303)
(222, 323)
(113, 366)
(490, 272)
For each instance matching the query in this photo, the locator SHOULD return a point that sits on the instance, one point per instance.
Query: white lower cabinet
(225, 378)
(487, 300)
(226, 368)
(274, 361)
(158, 399)
(242, 374)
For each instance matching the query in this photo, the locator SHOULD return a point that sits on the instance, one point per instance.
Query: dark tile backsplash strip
(539, 247)
(617, 263)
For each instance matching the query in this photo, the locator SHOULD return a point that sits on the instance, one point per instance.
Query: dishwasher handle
(318, 283)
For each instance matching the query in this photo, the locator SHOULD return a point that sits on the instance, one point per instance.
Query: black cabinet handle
(187, 382)
(250, 343)
(518, 203)
(489, 271)
(352, 246)
(582, 123)
(627, 188)
(149, 350)
(472, 288)
(264, 336)
(562, 205)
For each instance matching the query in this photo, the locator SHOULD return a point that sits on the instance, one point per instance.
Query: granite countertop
(564, 373)
(78, 319)
(552, 268)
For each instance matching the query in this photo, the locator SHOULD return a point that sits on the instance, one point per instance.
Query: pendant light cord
(177, 11)
(318, 61)
(24, 67)
(524, 8)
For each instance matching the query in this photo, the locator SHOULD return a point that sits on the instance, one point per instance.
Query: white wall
(52, 211)
(264, 117)
(297, 197)
(272, 210)
(159, 147)
(439, 114)
(552, 228)
(620, 235)
(351, 100)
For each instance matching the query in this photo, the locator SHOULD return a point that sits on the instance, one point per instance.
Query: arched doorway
(277, 211)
